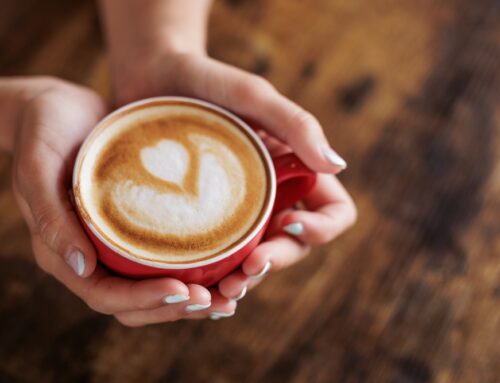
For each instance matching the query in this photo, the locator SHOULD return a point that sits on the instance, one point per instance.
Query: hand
(330, 211)
(54, 122)
(248, 95)
(291, 232)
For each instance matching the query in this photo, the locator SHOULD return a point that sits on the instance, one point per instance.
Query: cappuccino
(172, 182)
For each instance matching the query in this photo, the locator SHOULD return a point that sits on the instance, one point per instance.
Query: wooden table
(408, 92)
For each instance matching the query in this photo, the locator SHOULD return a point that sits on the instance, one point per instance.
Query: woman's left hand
(330, 211)
(291, 233)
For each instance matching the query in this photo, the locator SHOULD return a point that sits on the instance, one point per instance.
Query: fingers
(332, 213)
(137, 303)
(221, 307)
(234, 286)
(217, 308)
(315, 228)
(52, 215)
(109, 294)
(275, 254)
(47, 227)
(253, 97)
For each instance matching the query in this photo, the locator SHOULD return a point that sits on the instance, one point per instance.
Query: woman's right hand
(53, 123)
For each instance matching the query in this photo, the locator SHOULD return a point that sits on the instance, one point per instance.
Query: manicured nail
(216, 315)
(295, 228)
(178, 298)
(197, 307)
(332, 156)
(263, 272)
(76, 260)
(242, 294)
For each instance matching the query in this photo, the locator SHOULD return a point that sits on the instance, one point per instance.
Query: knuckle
(26, 168)
(133, 297)
(88, 95)
(170, 286)
(48, 226)
(243, 91)
(302, 120)
(140, 304)
(251, 88)
(97, 305)
(96, 298)
(261, 85)
(324, 237)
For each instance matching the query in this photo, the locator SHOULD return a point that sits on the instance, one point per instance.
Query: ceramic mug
(289, 181)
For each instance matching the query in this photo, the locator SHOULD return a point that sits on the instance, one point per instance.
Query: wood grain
(408, 93)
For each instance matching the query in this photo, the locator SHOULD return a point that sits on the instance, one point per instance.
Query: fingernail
(197, 307)
(295, 228)
(216, 315)
(76, 260)
(242, 294)
(333, 157)
(263, 272)
(169, 299)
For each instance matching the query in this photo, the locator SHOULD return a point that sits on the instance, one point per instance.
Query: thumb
(52, 217)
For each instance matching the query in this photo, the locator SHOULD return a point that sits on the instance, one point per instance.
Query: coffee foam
(173, 183)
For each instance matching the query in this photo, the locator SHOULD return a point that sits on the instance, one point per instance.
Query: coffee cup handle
(294, 180)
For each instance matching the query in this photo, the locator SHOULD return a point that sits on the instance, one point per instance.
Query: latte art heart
(174, 185)
(220, 178)
(167, 160)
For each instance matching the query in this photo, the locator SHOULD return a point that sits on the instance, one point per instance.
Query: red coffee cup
(290, 181)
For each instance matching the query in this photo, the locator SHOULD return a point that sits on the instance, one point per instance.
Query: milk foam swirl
(177, 187)
(219, 190)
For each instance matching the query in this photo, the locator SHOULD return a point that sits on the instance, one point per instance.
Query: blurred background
(408, 92)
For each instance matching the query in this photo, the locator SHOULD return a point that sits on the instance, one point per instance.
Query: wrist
(138, 32)
(148, 49)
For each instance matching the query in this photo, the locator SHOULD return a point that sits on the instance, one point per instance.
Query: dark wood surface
(408, 92)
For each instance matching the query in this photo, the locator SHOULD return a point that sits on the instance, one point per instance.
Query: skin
(156, 48)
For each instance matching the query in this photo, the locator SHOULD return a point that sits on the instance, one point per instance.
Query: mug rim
(243, 242)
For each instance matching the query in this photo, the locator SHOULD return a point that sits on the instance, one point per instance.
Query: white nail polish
(197, 307)
(333, 157)
(178, 298)
(296, 228)
(263, 272)
(76, 261)
(216, 315)
(242, 294)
